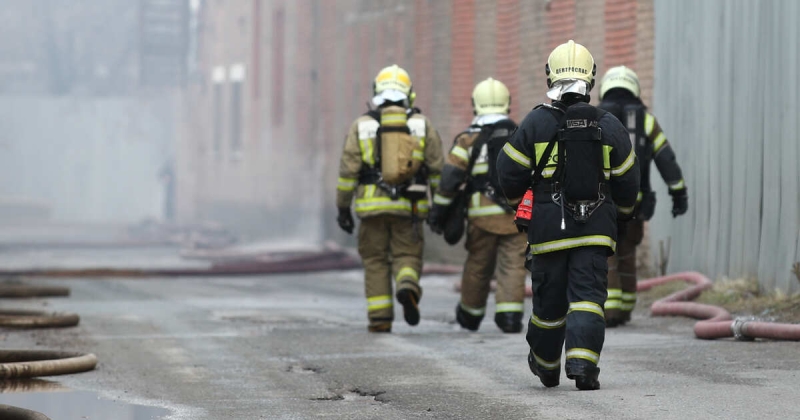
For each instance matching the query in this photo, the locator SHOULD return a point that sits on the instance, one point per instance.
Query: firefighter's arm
(454, 172)
(664, 156)
(433, 155)
(625, 172)
(349, 168)
(516, 161)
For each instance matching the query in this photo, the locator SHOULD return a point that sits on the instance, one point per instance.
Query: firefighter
(390, 239)
(493, 240)
(583, 173)
(620, 95)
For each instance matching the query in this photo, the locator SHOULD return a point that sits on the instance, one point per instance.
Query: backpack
(492, 137)
(401, 154)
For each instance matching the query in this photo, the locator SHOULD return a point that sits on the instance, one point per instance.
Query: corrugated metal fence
(726, 94)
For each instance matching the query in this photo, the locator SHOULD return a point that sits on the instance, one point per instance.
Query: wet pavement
(296, 347)
(68, 404)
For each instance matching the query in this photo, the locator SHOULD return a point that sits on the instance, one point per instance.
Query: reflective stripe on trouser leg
(511, 272)
(479, 267)
(406, 249)
(588, 268)
(626, 251)
(613, 303)
(373, 247)
(547, 326)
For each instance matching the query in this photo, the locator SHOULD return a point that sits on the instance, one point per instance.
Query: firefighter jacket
(649, 140)
(621, 171)
(359, 153)
(482, 211)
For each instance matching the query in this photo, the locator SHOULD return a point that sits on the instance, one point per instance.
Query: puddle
(60, 403)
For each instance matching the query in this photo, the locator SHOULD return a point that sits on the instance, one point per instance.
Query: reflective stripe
(627, 307)
(549, 365)
(517, 156)
(562, 244)
(381, 203)
(485, 211)
(607, 160)
(509, 307)
(627, 164)
(416, 125)
(346, 184)
(480, 168)
(629, 297)
(460, 153)
(435, 180)
(407, 272)
(677, 186)
(649, 123)
(614, 293)
(369, 192)
(441, 200)
(585, 354)
(639, 197)
(548, 325)
(379, 302)
(613, 304)
(418, 155)
(625, 210)
(586, 306)
(366, 151)
(393, 119)
(473, 311)
(659, 142)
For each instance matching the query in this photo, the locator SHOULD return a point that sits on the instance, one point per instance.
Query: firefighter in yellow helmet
(392, 155)
(620, 95)
(493, 242)
(583, 173)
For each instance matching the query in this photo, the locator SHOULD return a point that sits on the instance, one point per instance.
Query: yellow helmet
(393, 78)
(570, 63)
(620, 77)
(491, 97)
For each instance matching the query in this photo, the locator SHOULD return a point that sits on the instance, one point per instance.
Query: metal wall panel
(726, 94)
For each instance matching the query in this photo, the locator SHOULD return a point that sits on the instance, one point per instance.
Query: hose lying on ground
(8, 412)
(25, 291)
(18, 318)
(716, 321)
(34, 363)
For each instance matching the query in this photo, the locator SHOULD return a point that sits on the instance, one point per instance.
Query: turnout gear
(390, 240)
(493, 243)
(620, 96)
(345, 220)
(568, 255)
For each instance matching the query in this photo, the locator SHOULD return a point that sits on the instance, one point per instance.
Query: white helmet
(620, 77)
(570, 69)
(392, 84)
(491, 97)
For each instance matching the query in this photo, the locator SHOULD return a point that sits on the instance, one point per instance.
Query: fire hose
(8, 412)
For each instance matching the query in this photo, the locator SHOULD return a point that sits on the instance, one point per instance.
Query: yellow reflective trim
(677, 186)
(517, 156)
(549, 365)
(625, 166)
(639, 197)
(407, 272)
(480, 168)
(614, 293)
(418, 155)
(379, 302)
(659, 142)
(586, 354)
(649, 123)
(473, 311)
(613, 304)
(460, 153)
(382, 203)
(607, 156)
(562, 244)
(548, 325)
(369, 192)
(476, 199)
(366, 151)
(346, 184)
(434, 180)
(485, 211)
(586, 306)
(627, 307)
(625, 210)
(394, 119)
(509, 307)
(629, 297)
(441, 200)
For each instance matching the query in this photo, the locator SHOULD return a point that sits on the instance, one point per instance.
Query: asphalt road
(296, 347)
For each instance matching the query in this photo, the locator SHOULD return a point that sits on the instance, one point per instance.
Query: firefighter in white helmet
(493, 242)
(620, 95)
(580, 166)
(392, 155)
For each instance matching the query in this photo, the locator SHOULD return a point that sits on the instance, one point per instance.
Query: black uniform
(569, 266)
(650, 144)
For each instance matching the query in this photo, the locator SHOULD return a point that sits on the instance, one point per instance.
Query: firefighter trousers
(622, 273)
(390, 247)
(488, 252)
(569, 289)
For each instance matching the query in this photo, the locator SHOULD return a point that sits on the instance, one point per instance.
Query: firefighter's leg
(406, 245)
(373, 246)
(511, 274)
(613, 305)
(586, 327)
(475, 281)
(546, 328)
(626, 250)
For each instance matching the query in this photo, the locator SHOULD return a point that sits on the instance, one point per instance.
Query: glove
(680, 202)
(345, 220)
(436, 218)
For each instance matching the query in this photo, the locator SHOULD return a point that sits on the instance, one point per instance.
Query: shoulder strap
(483, 137)
(536, 175)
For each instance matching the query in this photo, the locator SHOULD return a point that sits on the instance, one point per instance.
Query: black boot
(509, 322)
(585, 377)
(549, 378)
(467, 320)
(409, 300)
